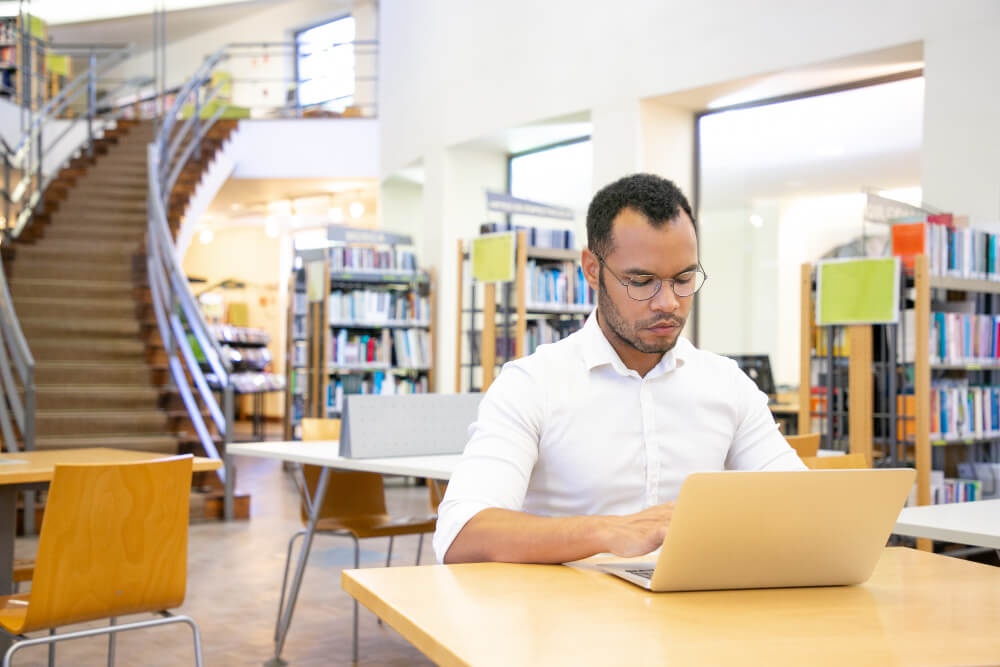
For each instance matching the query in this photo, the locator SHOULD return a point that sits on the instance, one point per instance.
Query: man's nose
(665, 300)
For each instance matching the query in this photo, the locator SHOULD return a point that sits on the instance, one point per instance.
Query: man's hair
(656, 198)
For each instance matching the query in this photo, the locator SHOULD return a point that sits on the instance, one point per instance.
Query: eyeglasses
(645, 287)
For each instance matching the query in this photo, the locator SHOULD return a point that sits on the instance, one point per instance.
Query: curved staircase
(78, 284)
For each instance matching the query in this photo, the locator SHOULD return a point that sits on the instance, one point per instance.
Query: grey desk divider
(375, 426)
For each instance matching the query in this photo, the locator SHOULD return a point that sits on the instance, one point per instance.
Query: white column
(616, 137)
(454, 205)
(960, 163)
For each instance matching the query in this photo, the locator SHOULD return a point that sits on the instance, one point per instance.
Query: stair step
(28, 287)
(74, 270)
(56, 245)
(97, 327)
(50, 373)
(80, 349)
(97, 422)
(62, 231)
(101, 397)
(61, 251)
(164, 442)
(66, 307)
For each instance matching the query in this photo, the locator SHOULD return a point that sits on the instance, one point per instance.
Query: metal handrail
(179, 319)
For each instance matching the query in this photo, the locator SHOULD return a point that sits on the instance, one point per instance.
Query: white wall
(492, 65)
(317, 148)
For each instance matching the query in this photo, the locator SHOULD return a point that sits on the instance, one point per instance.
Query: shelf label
(857, 291)
(493, 257)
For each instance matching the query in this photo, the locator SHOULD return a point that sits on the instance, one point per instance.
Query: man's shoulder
(704, 358)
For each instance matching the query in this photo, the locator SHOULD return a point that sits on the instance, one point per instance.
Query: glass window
(325, 62)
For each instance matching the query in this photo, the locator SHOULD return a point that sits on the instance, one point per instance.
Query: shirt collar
(597, 351)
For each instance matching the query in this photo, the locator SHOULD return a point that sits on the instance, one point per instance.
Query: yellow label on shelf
(857, 291)
(493, 257)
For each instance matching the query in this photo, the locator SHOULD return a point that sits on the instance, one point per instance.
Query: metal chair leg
(52, 649)
(357, 563)
(420, 547)
(111, 644)
(284, 581)
(388, 556)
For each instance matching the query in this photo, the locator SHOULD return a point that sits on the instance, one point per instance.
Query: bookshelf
(246, 350)
(924, 392)
(547, 300)
(360, 322)
(23, 76)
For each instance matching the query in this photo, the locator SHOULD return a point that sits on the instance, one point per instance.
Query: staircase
(79, 299)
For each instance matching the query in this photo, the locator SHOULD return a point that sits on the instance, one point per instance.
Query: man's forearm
(516, 537)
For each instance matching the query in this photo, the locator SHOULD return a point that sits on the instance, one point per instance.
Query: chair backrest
(857, 460)
(113, 542)
(349, 494)
(805, 444)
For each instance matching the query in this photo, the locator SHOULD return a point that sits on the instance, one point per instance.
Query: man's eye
(640, 281)
(684, 278)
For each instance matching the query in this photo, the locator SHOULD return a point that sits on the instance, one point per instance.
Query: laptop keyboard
(645, 573)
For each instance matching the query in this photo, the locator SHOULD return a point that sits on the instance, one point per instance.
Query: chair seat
(13, 610)
(381, 525)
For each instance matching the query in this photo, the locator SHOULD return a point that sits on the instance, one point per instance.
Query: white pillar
(960, 162)
(455, 185)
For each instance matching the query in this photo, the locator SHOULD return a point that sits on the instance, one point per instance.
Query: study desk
(326, 453)
(918, 608)
(975, 523)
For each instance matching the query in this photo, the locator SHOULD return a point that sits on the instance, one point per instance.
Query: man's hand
(639, 533)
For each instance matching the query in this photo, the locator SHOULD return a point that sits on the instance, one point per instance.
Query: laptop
(776, 529)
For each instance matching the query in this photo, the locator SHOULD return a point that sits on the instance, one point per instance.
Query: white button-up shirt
(569, 430)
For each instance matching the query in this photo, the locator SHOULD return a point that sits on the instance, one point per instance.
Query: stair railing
(178, 316)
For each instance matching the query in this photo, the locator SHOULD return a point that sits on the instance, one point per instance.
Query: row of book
(250, 382)
(957, 337)
(557, 285)
(400, 348)
(952, 247)
(538, 237)
(227, 333)
(377, 307)
(542, 331)
(246, 358)
(371, 258)
(960, 411)
(378, 382)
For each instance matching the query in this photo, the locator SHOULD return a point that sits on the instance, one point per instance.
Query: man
(581, 447)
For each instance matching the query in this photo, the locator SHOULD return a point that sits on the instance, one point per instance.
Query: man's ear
(591, 268)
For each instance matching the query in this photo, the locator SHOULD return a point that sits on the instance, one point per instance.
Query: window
(325, 65)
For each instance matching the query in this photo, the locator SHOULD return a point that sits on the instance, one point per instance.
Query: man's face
(642, 331)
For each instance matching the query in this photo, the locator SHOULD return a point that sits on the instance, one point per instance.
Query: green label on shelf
(493, 257)
(857, 291)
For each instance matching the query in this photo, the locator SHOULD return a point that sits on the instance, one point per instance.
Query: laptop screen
(758, 367)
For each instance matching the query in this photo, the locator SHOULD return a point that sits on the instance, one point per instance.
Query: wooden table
(326, 453)
(974, 523)
(918, 608)
(32, 470)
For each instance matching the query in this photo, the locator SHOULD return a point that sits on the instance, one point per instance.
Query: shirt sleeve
(499, 457)
(758, 444)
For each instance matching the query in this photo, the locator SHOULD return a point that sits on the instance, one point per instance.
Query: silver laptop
(774, 529)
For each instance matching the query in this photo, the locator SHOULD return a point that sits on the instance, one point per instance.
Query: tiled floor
(234, 579)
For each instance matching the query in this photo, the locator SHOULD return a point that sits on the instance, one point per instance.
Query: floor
(234, 580)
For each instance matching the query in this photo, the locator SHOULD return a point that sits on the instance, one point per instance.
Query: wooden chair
(805, 444)
(113, 543)
(355, 507)
(858, 460)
